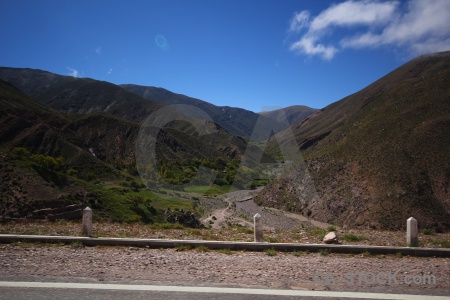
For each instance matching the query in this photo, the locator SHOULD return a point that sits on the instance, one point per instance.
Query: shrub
(166, 226)
(270, 252)
(331, 228)
(226, 251)
(324, 252)
(202, 248)
(427, 231)
(353, 238)
(441, 243)
(72, 172)
(271, 240)
(183, 247)
(20, 152)
(48, 162)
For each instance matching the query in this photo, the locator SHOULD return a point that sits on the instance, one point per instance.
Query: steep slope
(292, 114)
(379, 156)
(237, 121)
(78, 95)
(29, 124)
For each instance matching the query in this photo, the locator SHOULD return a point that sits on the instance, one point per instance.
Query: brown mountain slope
(291, 114)
(79, 95)
(379, 156)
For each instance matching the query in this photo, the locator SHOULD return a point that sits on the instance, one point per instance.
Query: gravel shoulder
(234, 268)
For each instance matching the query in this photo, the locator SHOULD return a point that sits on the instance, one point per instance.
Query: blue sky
(250, 54)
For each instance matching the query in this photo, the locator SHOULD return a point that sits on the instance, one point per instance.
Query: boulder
(331, 238)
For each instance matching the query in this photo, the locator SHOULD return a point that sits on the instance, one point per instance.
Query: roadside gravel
(232, 268)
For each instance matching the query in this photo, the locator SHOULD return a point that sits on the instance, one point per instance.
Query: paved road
(80, 291)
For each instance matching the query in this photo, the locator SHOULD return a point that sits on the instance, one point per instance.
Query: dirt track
(238, 208)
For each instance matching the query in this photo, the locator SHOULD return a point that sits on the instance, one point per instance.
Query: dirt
(239, 208)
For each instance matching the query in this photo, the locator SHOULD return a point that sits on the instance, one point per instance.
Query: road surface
(79, 291)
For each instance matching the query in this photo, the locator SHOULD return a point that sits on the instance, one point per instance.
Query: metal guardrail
(216, 245)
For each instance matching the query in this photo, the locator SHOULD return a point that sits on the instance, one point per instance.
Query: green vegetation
(331, 228)
(207, 191)
(324, 252)
(270, 240)
(353, 238)
(316, 231)
(226, 251)
(125, 202)
(224, 172)
(427, 231)
(441, 243)
(166, 226)
(202, 248)
(270, 252)
(183, 247)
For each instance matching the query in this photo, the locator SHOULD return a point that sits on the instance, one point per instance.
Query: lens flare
(161, 42)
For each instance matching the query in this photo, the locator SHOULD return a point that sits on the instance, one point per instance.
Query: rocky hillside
(79, 95)
(377, 157)
(51, 159)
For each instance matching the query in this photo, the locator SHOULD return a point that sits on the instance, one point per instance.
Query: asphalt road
(80, 291)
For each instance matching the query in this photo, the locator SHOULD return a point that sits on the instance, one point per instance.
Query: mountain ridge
(235, 120)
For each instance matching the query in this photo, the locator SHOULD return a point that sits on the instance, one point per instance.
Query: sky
(256, 55)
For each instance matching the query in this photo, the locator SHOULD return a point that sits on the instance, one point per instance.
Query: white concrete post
(412, 239)
(87, 222)
(258, 228)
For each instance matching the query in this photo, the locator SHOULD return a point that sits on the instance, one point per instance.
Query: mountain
(97, 108)
(292, 114)
(79, 95)
(130, 102)
(237, 121)
(377, 157)
(50, 158)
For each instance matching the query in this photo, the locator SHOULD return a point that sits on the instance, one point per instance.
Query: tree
(20, 152)
(136, 200)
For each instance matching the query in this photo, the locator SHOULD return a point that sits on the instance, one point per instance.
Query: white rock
(331, 238)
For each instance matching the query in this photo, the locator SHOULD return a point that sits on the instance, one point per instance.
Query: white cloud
(351, 13)
(98, 50)
(299, 21)
(309, 45)
(110, 71)
(72, 72)
(419, 27)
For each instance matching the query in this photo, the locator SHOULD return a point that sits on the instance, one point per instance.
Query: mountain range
(372, 159)
(129, 102)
